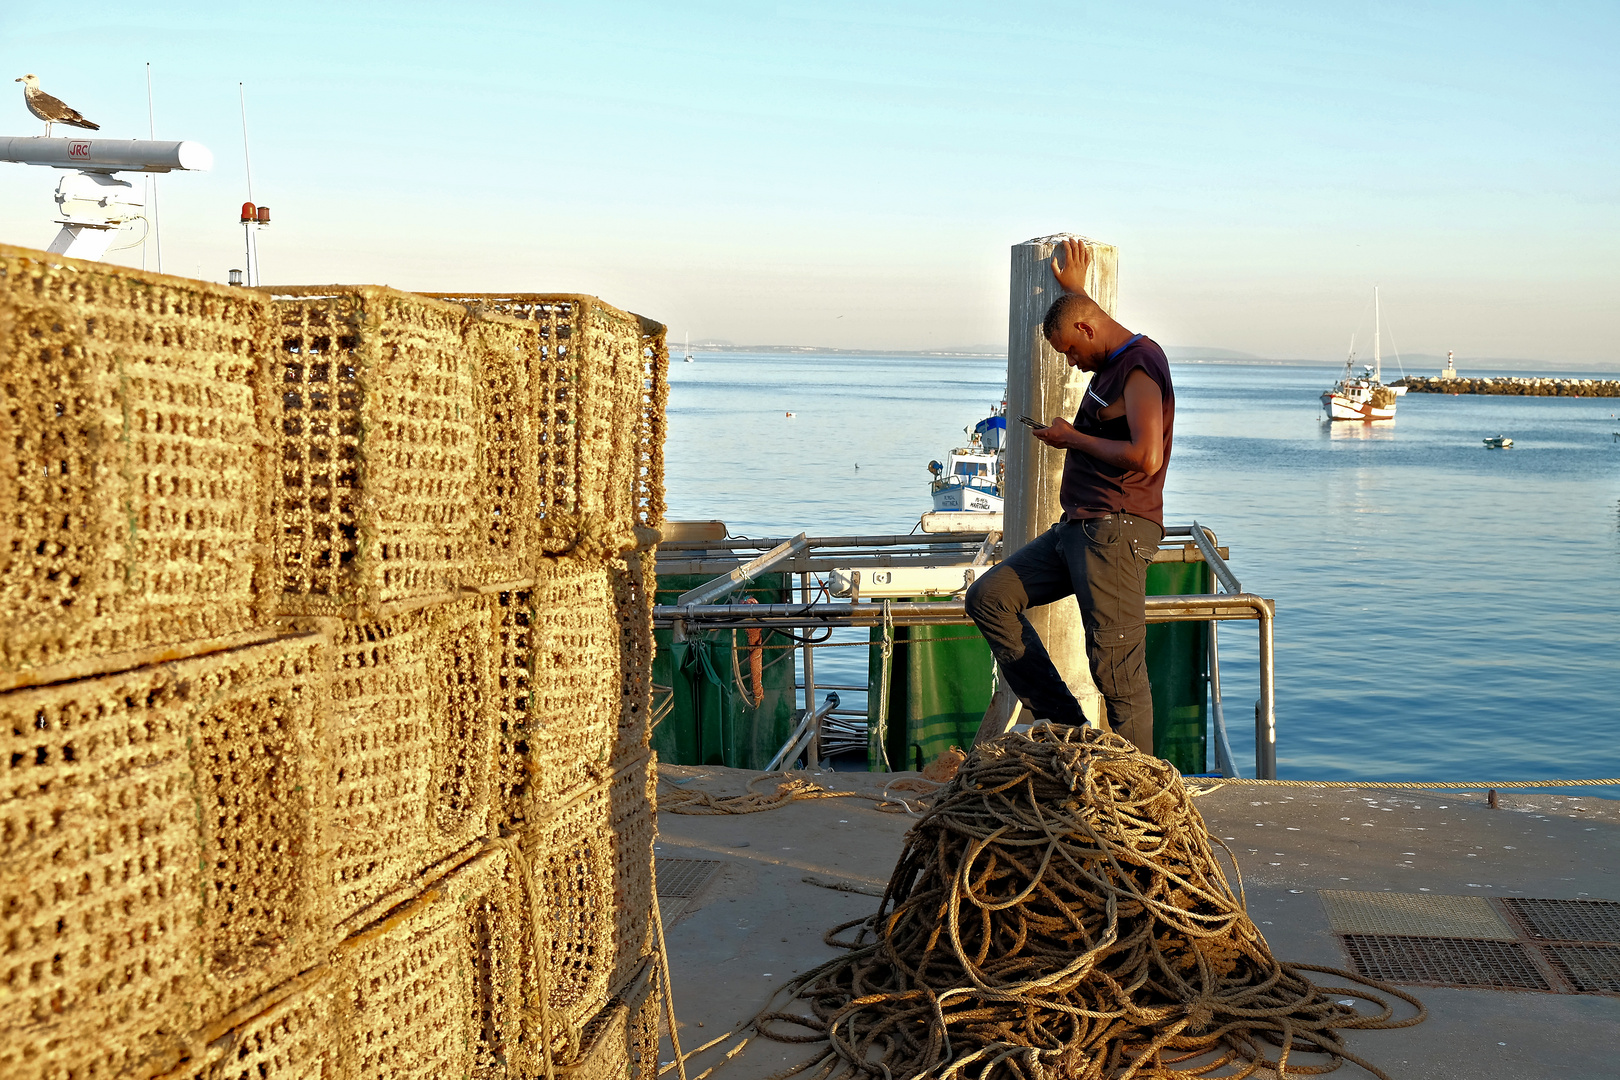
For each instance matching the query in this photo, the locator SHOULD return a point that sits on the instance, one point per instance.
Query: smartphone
(1032, 422)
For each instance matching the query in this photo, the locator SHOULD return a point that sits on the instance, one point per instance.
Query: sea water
(1444, 611)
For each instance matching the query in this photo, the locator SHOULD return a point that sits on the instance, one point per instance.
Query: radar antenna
(92, 202)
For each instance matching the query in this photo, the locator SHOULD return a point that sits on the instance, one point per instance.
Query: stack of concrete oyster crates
(324, 680)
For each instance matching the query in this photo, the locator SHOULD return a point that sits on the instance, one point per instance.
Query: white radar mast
(92, 202)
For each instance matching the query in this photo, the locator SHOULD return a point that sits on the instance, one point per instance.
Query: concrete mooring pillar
(1041, 384)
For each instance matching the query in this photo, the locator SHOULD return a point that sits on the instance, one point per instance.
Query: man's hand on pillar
(1076, 261)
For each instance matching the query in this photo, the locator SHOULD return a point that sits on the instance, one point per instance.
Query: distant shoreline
(1180, 355)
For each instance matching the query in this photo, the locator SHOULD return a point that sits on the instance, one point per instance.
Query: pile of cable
(1059, 912)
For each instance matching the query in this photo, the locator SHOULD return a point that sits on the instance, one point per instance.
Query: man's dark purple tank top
(1092, 488)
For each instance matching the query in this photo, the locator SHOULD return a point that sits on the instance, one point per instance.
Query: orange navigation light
(264, 215)
(249, 213)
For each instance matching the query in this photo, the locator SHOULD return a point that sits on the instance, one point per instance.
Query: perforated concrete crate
(435, 990)
(557, 697)
(410, 744)
(598, 384)
(634, 828)
(370, 394)
(635, 586)
(570, 850)
(130, 465)
(288, 1034)
(262, 777)
(157, 832)
(621, 1042)
(499, 543)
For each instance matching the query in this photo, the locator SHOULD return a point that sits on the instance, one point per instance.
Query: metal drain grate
(1494, 965)
(685, 878)
(1590, 969)
(1413, 913)
(1567, 920)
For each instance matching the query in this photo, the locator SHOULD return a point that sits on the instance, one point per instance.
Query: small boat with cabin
(1363, 396)
(971, 477)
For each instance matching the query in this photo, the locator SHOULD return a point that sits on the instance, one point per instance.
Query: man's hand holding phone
(1059, 433)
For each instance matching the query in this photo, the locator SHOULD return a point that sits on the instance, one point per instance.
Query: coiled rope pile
(1059, 913)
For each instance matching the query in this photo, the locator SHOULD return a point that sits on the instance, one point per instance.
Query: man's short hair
(1064, 308)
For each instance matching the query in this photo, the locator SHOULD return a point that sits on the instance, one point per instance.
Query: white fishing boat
(970, 479)
(1499, 442)
(1363, 396)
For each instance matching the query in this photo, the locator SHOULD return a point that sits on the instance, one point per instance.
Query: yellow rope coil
(1060, 912)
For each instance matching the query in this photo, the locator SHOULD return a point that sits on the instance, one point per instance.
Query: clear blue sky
(852, 174)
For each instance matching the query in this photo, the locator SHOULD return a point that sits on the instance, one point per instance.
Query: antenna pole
(247, 227)
(1378, 342)
(151, 132)
(241, 95)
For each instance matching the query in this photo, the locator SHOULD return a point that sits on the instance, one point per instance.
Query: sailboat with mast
(1363, 396)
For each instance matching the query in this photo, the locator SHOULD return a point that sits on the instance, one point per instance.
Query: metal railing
(806, 556)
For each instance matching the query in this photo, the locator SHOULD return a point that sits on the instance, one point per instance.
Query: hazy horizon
(853, 175)
(1185, 354)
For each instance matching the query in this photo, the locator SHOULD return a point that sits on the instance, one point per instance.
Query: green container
(714, 721)
(1178, 668)
(940, 681)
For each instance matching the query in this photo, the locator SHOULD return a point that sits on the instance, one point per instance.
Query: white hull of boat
(1363, 397)
(1345, 407)
(960, 497)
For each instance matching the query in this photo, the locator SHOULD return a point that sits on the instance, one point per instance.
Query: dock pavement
(764, 887)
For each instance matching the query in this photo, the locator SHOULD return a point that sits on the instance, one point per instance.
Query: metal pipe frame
(802, 735)
(738, 543)
(812, 755)
(1160, 609)
(1208, 607)
(819, 562)
(819, 555)
(805, 555)
(1265, 710)
(743, 574)
(1224, 762)
(1208, 549)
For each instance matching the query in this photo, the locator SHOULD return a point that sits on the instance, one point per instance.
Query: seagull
(49, 109)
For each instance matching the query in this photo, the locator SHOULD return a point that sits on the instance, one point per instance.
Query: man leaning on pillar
(1112, 497)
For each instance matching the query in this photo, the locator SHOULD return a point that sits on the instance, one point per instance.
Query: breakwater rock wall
(1514, 386)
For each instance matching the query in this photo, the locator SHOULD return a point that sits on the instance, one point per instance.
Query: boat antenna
(253, 217)
(151, 133)
(1378, 356)
(247, 158)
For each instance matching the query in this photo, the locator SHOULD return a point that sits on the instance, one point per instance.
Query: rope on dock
(1060, 912)
(679, 800)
